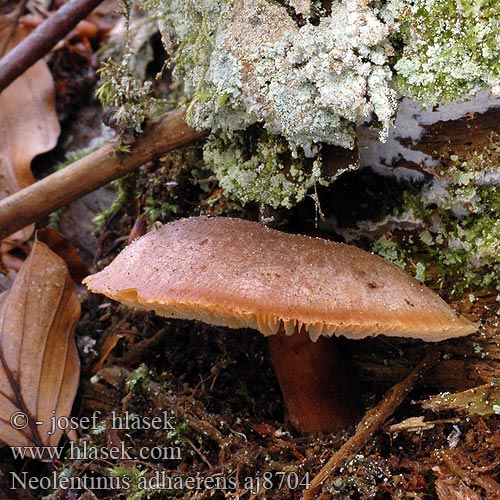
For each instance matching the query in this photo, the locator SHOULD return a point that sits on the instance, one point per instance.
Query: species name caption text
(84, 450)
(161, 480)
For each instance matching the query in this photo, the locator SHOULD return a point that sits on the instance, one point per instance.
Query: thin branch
(371, 422)
(90, 173)
(40, 41)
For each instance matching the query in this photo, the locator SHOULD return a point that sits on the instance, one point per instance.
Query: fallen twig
(93, 171)
(372, 420)
(40, 41)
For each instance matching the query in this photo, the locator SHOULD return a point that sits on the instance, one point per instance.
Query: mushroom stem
(318, 391)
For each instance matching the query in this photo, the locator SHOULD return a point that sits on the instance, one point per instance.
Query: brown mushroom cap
(238, 273)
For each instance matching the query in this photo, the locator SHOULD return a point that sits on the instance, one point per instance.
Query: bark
(467, 362)
(415, 148)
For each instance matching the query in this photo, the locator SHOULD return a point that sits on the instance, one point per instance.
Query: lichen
(455, 239)
(248, 61)
(311, 72)
(261, 170)
(450, 48)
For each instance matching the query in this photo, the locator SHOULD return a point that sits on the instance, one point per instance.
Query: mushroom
(297, 290)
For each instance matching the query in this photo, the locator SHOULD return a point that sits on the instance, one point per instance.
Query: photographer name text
(125, 421)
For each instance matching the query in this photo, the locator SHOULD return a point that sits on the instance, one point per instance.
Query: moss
(262, 171)
(390, 250)
(128, 100)
(450, 48)
(360, 478)
(70, 157)
(56, 215)
(120, 199)
(455, 242)
(138, 378)
(133, 477)
(179, 185)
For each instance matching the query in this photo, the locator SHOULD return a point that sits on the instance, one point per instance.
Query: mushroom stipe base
(317, 387)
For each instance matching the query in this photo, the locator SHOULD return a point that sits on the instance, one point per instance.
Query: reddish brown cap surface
(241, 274)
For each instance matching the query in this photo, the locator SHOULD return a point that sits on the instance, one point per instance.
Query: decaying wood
(481, 400)
(141, 348)
(416, 145)
(370, 423)
(463, 470)
(471, 131)
(421, 136)
(93, 171)
(468, 361)
(454, 489)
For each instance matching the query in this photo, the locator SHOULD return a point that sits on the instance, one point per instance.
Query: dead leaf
(39, 366)
(60, 245)
(28, 122)
(264, 430)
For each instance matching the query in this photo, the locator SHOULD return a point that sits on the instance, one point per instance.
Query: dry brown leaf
(39, 366)
(60, 245)
(28, 122)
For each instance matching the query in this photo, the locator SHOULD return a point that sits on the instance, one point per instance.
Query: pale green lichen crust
(451, 47)
(455, 241)
(248, 61)
(312, 75)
